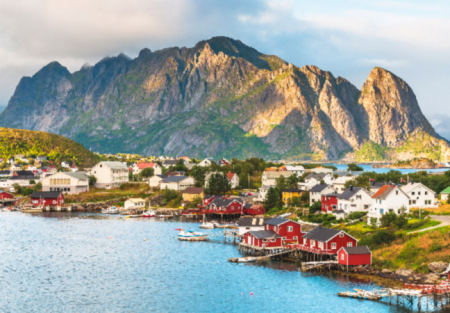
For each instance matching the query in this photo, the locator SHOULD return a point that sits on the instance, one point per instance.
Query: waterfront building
(110, 174)
(316, 192)
(134, 203)
(277, 232)
(246, 224)
(420, 196)
(225, 206)
(67, 182)
(254, 209)
(354, 199)
(352, 256)
(190, 193)
(47, 198)
(327, 240)
(4, 195)
(390, 198)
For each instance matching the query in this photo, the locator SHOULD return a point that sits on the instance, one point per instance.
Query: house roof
(136, 200)
(357, 250)
(8, 172)
(318, 188)
(409, 187)
(446, 190)
(339, 212)
(77, 175)
(342, 179)
(25, 173)
(224, 202)
(45, 194)
(292, 190)
(22, 177)
(375, 184)
(321, 233)
(264, 234)
(174, 179)
(295, 168)
(193, 190)
(316, 176)
(170, 162)
(276, 174)
(277, 221)
(349, 192)
(251, 221)
(143, 165)
(230, 175)
(114, 165)
(383, 192)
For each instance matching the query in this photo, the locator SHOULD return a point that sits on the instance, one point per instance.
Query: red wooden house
(329, 202)
(253, 209)
(354, 256)
(225, 205)
(47, 198)
(263, 239)
(6, 195)
(322, 240)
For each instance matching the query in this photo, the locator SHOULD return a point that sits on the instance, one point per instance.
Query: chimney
(351, 187)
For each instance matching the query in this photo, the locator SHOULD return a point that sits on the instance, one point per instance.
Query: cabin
(290, 231)
(134, 203)
(254, 209)
(329, 202)
(191, 193)
(323, 240)
(227, 206)
(354, 256)
(246, 224)
(263, 239)
(47, 198)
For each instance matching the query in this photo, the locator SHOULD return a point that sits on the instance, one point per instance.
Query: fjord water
(66, 262)
(370, 168)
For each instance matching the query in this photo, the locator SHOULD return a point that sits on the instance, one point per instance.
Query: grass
(99, 195)
(357, 230)
(443, 209)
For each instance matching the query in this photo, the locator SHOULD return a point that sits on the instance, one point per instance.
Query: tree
(199, 174)
(304, 198)
(296, 201)
(147, 172)
(292, 181)
(281, 183)
(218, 184)
(92, 180)
(273, 198)
(354, 167)
(180, 167)
(388, 219)
(315, 207)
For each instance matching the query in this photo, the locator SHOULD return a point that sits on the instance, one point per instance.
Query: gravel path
(444, 219)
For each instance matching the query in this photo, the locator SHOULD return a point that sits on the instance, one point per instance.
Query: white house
(354, 199)
(134, 203)
(233, 178)
(110, 174)
(246, 224)
(295, 169)
(339, 183)
(390, 198)
(262, 193)
(315, 179)
(444, 194)
(65, 164)
(155, 181)
(67, 182)
(21, 180)
(316, 192)
(206, 162)
(269, 178)
(178, 183)
(420, 196)
(321, 169)
(139, 167)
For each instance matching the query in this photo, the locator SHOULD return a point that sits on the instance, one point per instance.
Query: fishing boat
(149, 213)
(134, 216)
(10, 209)
(363, 294)
(243, 260)
(207, 225)
(32, 210)
(191, 235)
(111, 210)
(165, 216)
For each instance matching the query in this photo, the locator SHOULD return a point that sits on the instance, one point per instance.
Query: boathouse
(329, 202)
(47, 198)
(289, 230)
(323, 240)
(354, 256)
(6, 195)
(263, 239)
(253, 209)
(246, 224)
(226, 206)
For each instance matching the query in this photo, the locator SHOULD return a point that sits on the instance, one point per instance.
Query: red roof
(383, 191)
(230, 175)
(143, 165)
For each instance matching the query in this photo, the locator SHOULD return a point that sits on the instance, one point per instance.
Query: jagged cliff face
(219, 98)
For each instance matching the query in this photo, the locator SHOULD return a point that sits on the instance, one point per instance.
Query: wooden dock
(257, 258)
(307, 266)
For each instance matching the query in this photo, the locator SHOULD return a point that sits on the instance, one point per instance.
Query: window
(273, 240)
(320, 245)
(381, 211)
(342, 256)
(341, 235)
(333, 245)
(313, 243)
(426, 193)
(349, 244)
(290, 228)
(295, 237)
(358, 197)
(305, 241)
(413, 193)
(396, 192)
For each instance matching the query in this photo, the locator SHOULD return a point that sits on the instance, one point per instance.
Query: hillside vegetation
(34, 143)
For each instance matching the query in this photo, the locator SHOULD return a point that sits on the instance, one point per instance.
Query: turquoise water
(62, 262)
(369, 168)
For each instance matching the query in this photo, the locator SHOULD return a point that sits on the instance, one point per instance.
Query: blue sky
(348, 38)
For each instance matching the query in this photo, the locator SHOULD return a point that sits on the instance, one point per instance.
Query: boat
(32, 210)
(111, 210)
(165, 216)
(149, 213)
(207, 225)
(191, 235)
(10, 209)
(134, 216)
(243, 260)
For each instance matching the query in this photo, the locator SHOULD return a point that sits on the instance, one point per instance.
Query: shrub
(356, 215)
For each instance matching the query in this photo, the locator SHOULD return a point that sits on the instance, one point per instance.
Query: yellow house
(288, 194)
(190, 193)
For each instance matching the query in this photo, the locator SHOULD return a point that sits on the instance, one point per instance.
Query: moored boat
(10, 209)
(149, 213)
(191, 235)
(32, 210)
(111, 210)
(207, 225)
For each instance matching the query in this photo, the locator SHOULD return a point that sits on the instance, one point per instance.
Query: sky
(347, 37)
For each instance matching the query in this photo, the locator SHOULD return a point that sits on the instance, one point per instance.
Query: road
(444, 219)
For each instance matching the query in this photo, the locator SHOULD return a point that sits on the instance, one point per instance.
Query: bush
(315, 207)
(356, 215)
(378, 238)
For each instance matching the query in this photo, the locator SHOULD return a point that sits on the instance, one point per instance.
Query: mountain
(2, 107)
(35, 143)
(224, 98)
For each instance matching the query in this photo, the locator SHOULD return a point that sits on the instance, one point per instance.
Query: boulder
(438, 267)
(403, 272)
(386, 271)
(431, 279)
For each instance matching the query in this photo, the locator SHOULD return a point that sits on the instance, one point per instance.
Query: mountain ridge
(219, 97)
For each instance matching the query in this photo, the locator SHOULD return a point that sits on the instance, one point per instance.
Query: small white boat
(10, 209)
(149, 213)
(111, 210)
(207, 225)
(191, 235)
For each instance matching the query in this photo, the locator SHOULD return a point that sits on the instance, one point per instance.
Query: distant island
(417, 163)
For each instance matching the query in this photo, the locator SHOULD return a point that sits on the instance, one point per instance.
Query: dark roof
(22, 177)
(334, 194)
(193, 190)
(293, 190)
(46, 194)
(5, 172)
(318, 188)
(25, 173)
(170, 162)
(265, 234)
(317, 176)
(357, 250)
(349, 192)
(376, 184)
(247, 206)
(339, 212)
(252, 221)
(224, 202)
(162, 176)
(174, 179)
(321, 233)
(276, 221)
